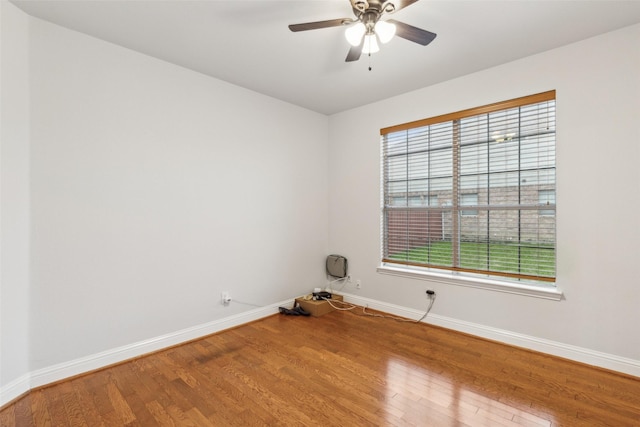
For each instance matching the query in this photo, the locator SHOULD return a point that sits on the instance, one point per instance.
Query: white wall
(598, 194)
(154, 189)
(14, 199)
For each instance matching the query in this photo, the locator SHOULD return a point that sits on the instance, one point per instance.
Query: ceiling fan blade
(412, 33)
(355, 52)
(320, 24)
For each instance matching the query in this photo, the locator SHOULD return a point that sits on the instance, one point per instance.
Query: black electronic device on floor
(321, 295)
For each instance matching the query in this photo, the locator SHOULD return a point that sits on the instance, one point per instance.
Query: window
(473, 192)
(547, 198)
(469, 199)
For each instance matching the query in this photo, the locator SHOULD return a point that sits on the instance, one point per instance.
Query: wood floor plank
(56, 405)
(336, 370)
(39, 409)
(23, 414)
(96, 385)
(142, 415)
(8, 416)
(201, 399)
(160, 414)
(198, 418)
(73, 408)
(86, 403)
(120, 405)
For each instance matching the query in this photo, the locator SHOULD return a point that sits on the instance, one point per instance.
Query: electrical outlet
(358, 284)
(226, 298)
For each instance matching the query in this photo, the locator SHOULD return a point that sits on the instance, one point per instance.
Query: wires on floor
(331, 301)
(351, 307)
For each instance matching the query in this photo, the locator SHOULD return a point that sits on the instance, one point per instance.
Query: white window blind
(485, 179)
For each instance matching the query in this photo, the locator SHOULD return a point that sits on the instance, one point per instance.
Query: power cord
(247, 303)
(330, 301)
(344, 280)
(432, 298)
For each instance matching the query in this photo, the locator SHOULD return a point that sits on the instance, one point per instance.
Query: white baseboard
(92, 362)
(14, 389)
(579, 354)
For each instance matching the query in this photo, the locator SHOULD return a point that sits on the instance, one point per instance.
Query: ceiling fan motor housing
(380, 6)
(369, 19)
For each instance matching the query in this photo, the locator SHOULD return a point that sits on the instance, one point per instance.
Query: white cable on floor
(399, 319)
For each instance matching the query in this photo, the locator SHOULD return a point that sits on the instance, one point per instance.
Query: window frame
(492, 279)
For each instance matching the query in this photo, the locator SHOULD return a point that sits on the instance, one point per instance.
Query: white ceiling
(248, 43)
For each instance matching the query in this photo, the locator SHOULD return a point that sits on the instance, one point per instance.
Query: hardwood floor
(341, 369)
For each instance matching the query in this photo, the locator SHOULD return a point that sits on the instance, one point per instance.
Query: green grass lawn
(504, 257)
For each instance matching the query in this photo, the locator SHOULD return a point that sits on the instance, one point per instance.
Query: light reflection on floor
(424, 398)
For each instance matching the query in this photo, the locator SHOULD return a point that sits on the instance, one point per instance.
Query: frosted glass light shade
(354, 34)
(370, 44)
(385, 31)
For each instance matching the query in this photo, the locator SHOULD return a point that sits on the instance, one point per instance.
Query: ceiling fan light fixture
(370, 44)
(354, 34)
(385, 31)
(366, 30)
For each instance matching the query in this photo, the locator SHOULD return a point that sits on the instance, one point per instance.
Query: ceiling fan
(366, 28)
